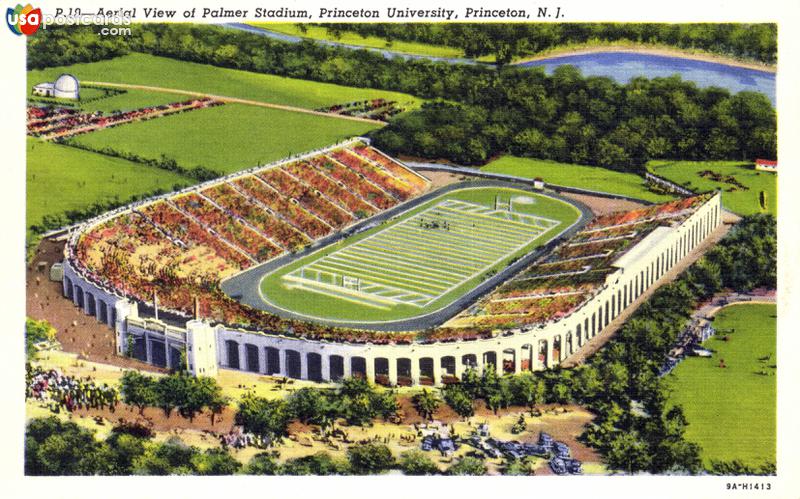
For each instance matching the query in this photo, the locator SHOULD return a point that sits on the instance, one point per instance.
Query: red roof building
(766, 165)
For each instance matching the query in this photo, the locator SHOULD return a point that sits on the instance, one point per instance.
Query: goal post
(351, 282)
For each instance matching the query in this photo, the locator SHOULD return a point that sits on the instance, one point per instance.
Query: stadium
(345, 262)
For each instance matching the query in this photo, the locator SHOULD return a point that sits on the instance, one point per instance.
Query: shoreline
(650, 50)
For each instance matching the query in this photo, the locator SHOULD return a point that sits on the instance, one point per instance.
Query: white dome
(67, 83)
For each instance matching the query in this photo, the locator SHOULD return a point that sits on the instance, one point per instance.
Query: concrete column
(242, 357)
(459, 367)
(262, 354)
(167, 355)
(370, 369)
(549, 356)
(498, 356)
(325, 367)
(437, 371)
(347, 366)
(284, 371)
(303, 366)
(517, 360)
(148, 350)
(414, 371)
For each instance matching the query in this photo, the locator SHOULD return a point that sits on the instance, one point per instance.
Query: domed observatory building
(66, 86)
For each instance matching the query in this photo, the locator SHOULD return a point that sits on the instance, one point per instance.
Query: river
(620, 66)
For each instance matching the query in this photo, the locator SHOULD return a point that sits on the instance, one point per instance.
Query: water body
(623, 66)
(620, 66)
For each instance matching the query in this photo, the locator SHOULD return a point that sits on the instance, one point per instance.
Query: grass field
(407, 268)
(142, 69)
(226, 138)
(132, 99)
(741, 202)
(350, 38)
(731, 411)
(585, 177)
(61, 178)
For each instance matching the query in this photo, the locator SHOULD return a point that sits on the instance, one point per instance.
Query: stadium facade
(203, 347)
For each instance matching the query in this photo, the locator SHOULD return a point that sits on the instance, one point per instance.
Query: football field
(421, 260)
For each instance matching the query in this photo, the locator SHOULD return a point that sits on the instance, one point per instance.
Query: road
(236, 100)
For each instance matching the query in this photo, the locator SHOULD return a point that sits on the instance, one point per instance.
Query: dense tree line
(508, 40)
(54, 448)
(568, 118)
(354, 400)
(60, 45)
(565, 116)
(188, 394)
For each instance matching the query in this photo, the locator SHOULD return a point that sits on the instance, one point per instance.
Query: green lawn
(61, 178)
(131, 99)
(731, 411)
(585, 177)
(318, 305)
(142, 69)
(227, 138)
(351, 38)
(742, 202)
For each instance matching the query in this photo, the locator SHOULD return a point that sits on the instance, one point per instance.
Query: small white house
(766, 165)
(66, 86)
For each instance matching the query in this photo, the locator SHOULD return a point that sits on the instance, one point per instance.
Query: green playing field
(420, 261)
(731, 410)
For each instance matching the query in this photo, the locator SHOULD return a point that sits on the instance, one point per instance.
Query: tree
(172, 457)
(265, 418)
(517, 467)
(216, 405)
(385, 404)
(459, 400)
(262, 463)
(306, 404)
(56, 448)
(215, 462)
(138, 390)
(527, 390)
(468, 465)
(471, 383)
(319, 464)
(370, 459)
(415, 462)
(125, 448)
(36, 332)
(628, 452)
(171, 391)
(426, 403)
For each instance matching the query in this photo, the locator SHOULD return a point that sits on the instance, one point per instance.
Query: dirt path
(76, 331)
(237, 100)
(596, 343)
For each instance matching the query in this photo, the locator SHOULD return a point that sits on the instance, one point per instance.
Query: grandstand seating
(182, 245)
